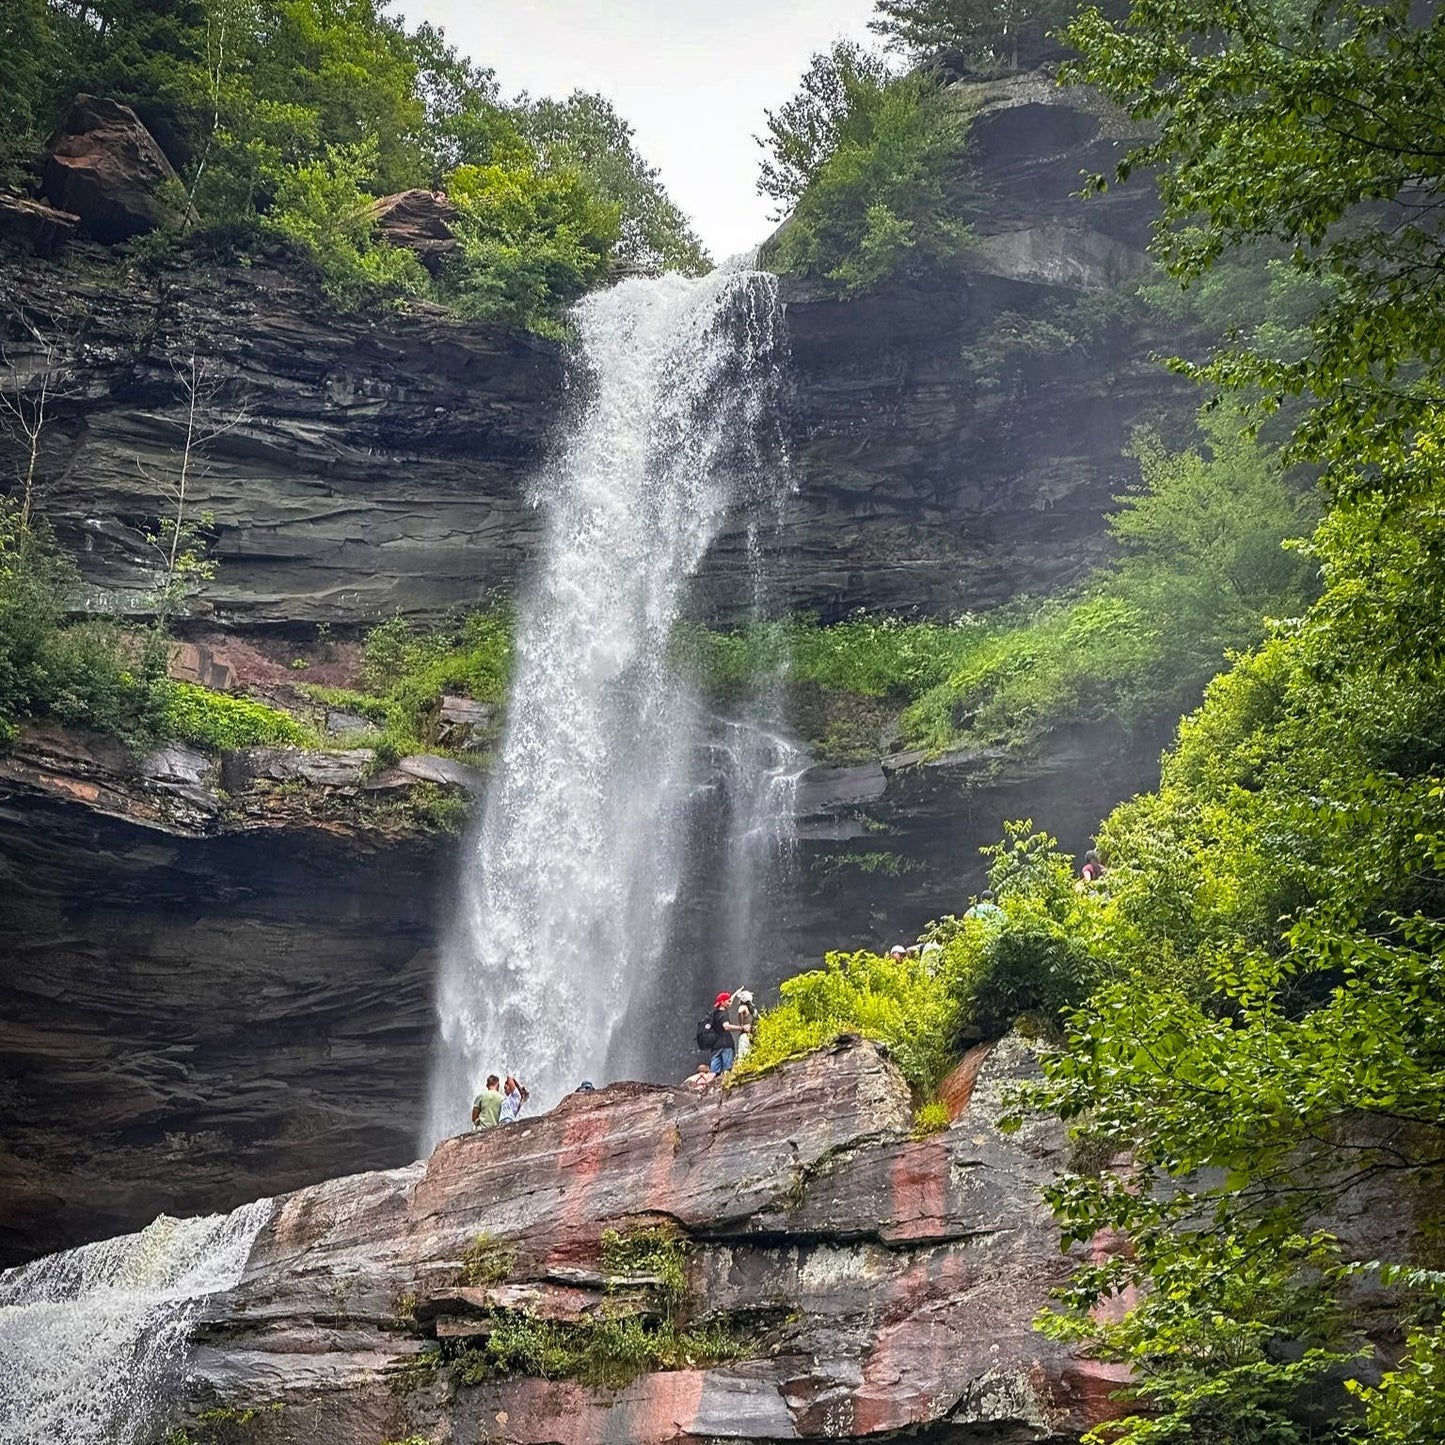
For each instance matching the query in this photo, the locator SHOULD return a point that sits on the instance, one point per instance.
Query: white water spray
(92, 1341)
(569, 886)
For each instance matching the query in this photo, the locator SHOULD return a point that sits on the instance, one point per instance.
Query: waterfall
(92, 1341)
(569, 886)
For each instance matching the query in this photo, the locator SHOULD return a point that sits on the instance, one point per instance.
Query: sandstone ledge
(892, 1280)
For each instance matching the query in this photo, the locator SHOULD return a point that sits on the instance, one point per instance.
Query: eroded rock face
(203, 1000)
(383, 462)
(877, 1283)
(420, 222)
(106, 168)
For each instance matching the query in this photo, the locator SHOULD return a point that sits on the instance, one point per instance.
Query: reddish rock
(420, 222)
(35, 227)
(106, 167)
(884, 1283)
(957, 1088)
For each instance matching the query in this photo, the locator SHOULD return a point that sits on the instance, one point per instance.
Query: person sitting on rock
(487, 1106)
(514, 1095)
(700, 1080)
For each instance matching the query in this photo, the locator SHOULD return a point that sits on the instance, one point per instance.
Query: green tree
(984, 36)
(803, 133)
(880, 162)
(1333, 114)
(532, 240)
(584, 133)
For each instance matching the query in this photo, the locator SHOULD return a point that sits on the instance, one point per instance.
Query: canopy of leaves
(983, 37)
(873, 166)
(291, 116)
(1315, 128)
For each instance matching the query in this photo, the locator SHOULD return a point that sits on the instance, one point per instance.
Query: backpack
(707, 1034)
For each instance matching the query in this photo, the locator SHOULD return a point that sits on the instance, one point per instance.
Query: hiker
(700, 1080)
(1091, 872)
(487, 1106)
(514, 1095)
(985, 908)
(742, 1031)
(714, 1035)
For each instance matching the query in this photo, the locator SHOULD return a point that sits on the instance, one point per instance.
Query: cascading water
(569, 886)
(92, 1341)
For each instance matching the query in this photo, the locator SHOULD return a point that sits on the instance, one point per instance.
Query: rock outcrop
(208, 995)
(105, 167)
(871, 1284)
(419, 222)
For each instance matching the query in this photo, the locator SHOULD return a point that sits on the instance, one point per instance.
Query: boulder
(106, 167)
(420, 222)
(35, 227)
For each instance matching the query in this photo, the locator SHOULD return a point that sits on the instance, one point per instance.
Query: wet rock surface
(204, 999)
(878, 1284)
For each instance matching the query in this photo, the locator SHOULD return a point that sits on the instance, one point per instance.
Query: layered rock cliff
(368, 465)
(853, 1282)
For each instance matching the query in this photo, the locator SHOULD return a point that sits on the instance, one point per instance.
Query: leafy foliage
(873, 166)
(985, 37)
(609, 1352)
(531, 239)
(1331, 111)
(217, 720)
(968, 978)
(85, 673)
(651, 1251)
(289, 117)
(488, 1260)
(585, 134)
(405, 672)
(1203, 565)
(1266, 1043)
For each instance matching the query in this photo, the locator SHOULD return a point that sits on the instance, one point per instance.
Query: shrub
(487, 1260)
(321, 209)
(654, 1251)
(532, 241)
(903, 1003)
(887, 199)
(406, 672)
(217, 720)
(607, 1352)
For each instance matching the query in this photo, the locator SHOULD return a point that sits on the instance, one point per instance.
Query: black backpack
(707, 1034)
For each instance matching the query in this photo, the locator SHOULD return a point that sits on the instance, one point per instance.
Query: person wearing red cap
(723, 1051)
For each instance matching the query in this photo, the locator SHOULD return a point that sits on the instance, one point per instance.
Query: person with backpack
(714, 1036)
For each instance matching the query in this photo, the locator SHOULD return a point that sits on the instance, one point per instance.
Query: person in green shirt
(487, 1106)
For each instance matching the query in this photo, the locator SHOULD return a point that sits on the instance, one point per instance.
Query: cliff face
(202, 1003)
(867, 1283)
(200, 1009)
(377, 464)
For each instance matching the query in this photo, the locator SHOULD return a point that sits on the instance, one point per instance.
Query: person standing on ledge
(514, 1095)
(487, 1106)
(717, 1036)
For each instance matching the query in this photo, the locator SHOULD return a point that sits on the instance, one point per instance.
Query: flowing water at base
(93, 1341)
(569, 887)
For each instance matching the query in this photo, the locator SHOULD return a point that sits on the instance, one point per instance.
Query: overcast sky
(693, 76)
